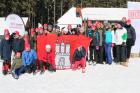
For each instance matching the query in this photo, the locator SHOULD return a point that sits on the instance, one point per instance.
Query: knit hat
(128, 21)
(45, 25)
(6, 32)
(16, 32)
(48, 47)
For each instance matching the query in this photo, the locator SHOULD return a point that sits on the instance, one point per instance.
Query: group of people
(109, 41)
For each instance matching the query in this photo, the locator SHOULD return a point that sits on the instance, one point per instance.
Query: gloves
(97, 47)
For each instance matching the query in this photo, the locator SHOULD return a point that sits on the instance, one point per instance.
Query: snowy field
(97, 79)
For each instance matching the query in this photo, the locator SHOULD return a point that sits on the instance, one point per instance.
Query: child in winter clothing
(120, 42)
(108, 43)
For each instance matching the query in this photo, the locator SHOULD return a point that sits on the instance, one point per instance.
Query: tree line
(45, 11)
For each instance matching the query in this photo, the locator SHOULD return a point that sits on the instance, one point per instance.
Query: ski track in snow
(97, 79)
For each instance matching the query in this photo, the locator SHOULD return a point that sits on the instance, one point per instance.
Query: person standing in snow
(120, 42)
(130, 39)
(90, 32)
(6, 51)
(108, 44)
(100, 40)
(18, 43)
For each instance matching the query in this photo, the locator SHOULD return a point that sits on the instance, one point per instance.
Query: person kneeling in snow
(17, 63)
(47, 61)
(79, 58)
(28, 62)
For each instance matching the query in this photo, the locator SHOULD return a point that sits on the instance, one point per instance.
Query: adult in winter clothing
(131, 37)
(120, 42)
(90, 32)
(79, 58)
(108, 43)
(46, 61)
(28, 62)
(18, 43)
(6, 51)
(33, 39)
(101, 37)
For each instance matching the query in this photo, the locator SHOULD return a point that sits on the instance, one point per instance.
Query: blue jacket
(108, 36)
(28, 57)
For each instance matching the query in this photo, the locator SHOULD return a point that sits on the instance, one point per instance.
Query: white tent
(92, 14)
(104, 13)
(69, 18)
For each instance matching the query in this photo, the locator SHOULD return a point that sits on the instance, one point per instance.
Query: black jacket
(6, 49)
(18, 45)
(95, 39)
(131, 35)
(78, 55)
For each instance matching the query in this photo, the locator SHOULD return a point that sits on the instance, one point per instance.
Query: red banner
(51, 39)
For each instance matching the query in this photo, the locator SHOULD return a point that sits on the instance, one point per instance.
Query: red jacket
(47, 57)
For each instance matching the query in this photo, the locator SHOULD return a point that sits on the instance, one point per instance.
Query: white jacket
(119, 36)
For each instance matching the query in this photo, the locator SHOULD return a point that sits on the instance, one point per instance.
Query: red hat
(32, 32)
(93, 27)
(16, 32)
(6, 32)
(27, 46)
(89, 22)
(128, 21)
(45, 25)
(37, 29)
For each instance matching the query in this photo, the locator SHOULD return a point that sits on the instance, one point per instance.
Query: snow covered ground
(97, 79)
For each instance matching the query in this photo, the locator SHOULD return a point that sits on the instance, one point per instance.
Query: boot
(124, 64)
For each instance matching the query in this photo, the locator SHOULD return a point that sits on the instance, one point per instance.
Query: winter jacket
(90, 33)
(120, 36)
(28, 57)
(108, 36)
(78, 55)
(95, 39)
(17, 63)
(131, 34)
(6, 49)
(101, 34)
(18, 45)
(33, 42)
(47, 57)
